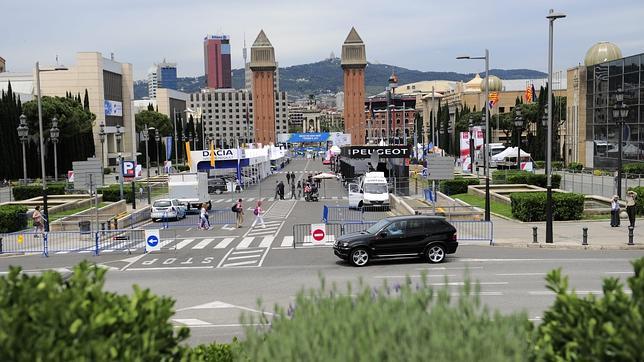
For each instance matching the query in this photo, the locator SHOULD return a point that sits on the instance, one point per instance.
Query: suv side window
(416, 227)
(434, 226)
(397, 228)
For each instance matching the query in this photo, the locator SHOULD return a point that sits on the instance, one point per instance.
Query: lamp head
(552, 15)
(463, 57)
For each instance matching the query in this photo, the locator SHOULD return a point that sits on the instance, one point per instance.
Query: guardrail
(23, 242)
(452, 212)
(215, 217)
(474, 230)
(331, 214)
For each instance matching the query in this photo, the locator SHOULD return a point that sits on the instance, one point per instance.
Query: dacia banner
(399, 151)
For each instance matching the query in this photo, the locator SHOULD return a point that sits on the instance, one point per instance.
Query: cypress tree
(86, 101)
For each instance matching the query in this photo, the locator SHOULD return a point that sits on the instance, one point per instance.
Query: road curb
(569, 246)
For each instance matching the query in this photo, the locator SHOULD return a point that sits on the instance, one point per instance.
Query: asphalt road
(217, 275)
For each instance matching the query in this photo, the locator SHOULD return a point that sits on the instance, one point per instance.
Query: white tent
(509, 152)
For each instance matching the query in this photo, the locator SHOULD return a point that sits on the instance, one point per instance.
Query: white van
(372, 190)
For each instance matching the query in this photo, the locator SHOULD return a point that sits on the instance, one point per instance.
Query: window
(397, 228)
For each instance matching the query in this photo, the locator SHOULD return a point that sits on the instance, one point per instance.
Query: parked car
(431, 237)
(217, 185)
(167, 209)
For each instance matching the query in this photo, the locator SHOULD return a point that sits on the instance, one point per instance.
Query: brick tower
(262, 65)
(354, 60)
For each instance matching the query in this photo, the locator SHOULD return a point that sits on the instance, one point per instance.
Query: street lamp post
(157, 139)
(471, 129)
(146, 138)
(518, 123)
(23, 134)
(544, 123)
(118, 135)
(486, 156)
(101, 135)
(54, 133)
(620, 112)
(552, 16)
(185, 139)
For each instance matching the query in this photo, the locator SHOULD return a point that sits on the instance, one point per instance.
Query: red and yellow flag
(212, 154)
(528, 94)
(188, 152)
(493, 98)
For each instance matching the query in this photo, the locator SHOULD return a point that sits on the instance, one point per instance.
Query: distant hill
(326, 76)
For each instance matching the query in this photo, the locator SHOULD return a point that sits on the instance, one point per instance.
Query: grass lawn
(62, 214)
(479, 201)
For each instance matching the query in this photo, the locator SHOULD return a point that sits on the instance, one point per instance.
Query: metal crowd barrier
(23, 242)
(474, 230)
(215, 217)
(331, 214)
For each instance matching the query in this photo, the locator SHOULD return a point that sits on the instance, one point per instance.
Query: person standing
(239, 210)
(38, 221)
(280, 187)
(293, 189)
(631, 196)
(292, 177)
(203, 217)
(299, 189)
(288, 178)
(259, 214)
(277, 190)
(614, 212)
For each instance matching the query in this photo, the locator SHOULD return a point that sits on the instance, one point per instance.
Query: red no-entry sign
(318, 232)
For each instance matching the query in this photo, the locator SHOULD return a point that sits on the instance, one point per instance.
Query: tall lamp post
(23, 134)
(518, 124)
(146, 138)
(620, 112)
(552, 16)
(54, 133)
(157, 139)
(486, 156)
(471, 129)
(101, 136)
(41, 139)
(544, 123)
(118, 135)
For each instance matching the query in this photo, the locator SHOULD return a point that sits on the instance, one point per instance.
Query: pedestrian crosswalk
(221, 202)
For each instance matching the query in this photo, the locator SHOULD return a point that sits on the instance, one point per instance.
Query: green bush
(634, 168)
(540, 164)
(216, 352)
(524, 177)
(107, 170)
(113, 193)
(31, 191)
(182, 168)
(12, 218)
(519, 177)
(575, 166)
(590, 328)
(457, 185)
(501, 176)
(639, 201)
(46, 318)
(531, 206)
(557, 165)
(408, 322)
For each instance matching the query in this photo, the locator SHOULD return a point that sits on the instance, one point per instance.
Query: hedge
(634, 168)
(113, 193)
(182, 168)
(540, 164)
(12, 218)
(524, 177)
(31, 191)
(531, 206)
(575, 166)
(457, 185)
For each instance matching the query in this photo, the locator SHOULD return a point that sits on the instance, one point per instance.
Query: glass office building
(602, 83)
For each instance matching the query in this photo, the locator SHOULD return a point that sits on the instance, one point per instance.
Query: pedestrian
(38, 218)
(280, 187)
(239, 210)
(288, 178)
(293, 190)
(259, 214)
(203, 217)
(299, 189)
(631, 196)
(293, 177)
(614, 212)
(141, 193)
(277, 190)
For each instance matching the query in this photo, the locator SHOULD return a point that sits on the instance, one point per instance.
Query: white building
(152, 82)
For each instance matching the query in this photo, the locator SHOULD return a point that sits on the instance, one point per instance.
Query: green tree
(153, 119)
(150, 107)
(86, 101)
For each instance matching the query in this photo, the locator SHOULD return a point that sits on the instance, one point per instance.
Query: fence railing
(342, 214)
(474, 230)
(602, 185)
(452, 212)
(215, 217)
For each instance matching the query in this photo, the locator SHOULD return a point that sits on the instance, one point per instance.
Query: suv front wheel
(359, 257)
(435, 253)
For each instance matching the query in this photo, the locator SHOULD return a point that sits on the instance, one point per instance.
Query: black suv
(431, 237)
(217, 185)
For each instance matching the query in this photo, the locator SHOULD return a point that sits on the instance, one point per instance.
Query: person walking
(38, 220)
(259, 214)
(293, 190)
(631, 196)
(203, 217)
(299, 189)
(280, 187)
(614, 212)
(292, 177)
(239, 210)
(277, 190)
(288, 178)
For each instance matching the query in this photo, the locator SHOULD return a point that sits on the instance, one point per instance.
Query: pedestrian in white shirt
(259, 214)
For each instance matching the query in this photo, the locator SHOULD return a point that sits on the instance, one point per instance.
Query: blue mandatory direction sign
(152, 240)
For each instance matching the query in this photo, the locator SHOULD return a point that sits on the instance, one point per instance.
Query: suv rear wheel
(359, 257)
(435, 253)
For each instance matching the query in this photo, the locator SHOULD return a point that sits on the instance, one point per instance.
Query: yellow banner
(212, 154)
(188, 152)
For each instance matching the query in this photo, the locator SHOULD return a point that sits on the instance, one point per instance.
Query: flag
(528, 93)
(493, 99)
(188, 152)
(212, 154)
(534, 94)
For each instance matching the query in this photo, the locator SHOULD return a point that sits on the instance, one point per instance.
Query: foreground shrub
(531, 206)
(457, 185)
(394, 323)
(589, 328)
(12, 218)
(46, 318)
(30, 191)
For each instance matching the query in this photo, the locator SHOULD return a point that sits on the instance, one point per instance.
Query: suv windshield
(375, 188)
(377, 226)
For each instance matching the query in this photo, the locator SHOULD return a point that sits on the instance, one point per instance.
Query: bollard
(116, 224)
(584, 237)
(534, 235)
(103, 226)
(630, 235)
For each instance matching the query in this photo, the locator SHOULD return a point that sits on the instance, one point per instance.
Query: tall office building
(162, 75)
(354, 61)
(216, 50)
(152, 82)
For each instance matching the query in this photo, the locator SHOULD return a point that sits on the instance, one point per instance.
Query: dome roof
(474, 85)
(602, 52)
(495, 84)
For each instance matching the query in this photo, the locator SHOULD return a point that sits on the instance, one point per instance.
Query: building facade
(353, 62)
(263, 66)
(594, 134)
(402, 115)
(2, 65)
(218, 72)
(229, 115)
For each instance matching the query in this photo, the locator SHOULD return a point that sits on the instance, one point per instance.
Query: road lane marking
(247, 251)
(451, 268)
(624, 272)
(473, 283)
(245, 243)
(578, 292)
(287, 241)
(266, 242)
(412, 276)
(242, 257)
(239, 263)
(521, 274)
(203, 243)
(191, 322)
(170, 268)
(183, 243)
(224, 243)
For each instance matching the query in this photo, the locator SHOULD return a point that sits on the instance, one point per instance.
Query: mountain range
(326, 77)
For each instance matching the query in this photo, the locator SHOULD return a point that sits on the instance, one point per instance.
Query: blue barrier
(345, 214)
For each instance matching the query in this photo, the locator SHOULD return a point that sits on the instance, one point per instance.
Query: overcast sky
(417, 34)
